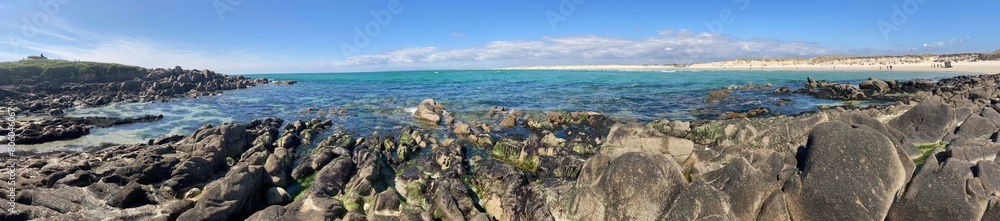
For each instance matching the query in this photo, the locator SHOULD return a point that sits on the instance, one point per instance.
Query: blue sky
(254, 36)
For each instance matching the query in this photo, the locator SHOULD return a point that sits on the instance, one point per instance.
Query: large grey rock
(973, 150)
(451, 200)
(928, 122)
(507, 195)
(905, 149)
(330, 180)
(372, 174)
(132, 195)
(209, 147)
(386, 202)
(633, 186)
(55, 199)
(311, 207)
(874, 86)
(989, 175)
(976, 127)
(898, 138)
(429, 112)
(991, 114)
(511, 119)
(745, 186)
(461, 128)
(234, 196)
(839, 91)
(278, 166)
(271, 213)
(849, 173)
(700, 202)
(774, 207)
(625, 138)
(947, 191)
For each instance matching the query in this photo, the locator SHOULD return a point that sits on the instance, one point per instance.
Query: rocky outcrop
(928, 122)
(875, 89)
(236, 195)
(744, 186)
(629, 138)
(506, 194)
(874, 86)
(634, 177)
(947, 190)
(700, 202)
(429, 112)
(632, 186)
(841, 163)
(780, 133)
(838, 91)
(43, 90)
(853, 168)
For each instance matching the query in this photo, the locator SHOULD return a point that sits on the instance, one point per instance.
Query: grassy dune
(63, 71)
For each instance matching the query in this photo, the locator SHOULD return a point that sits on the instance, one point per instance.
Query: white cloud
(944, 43)
(457, 35)
(148, 54)
(684, 47)
(934, 45)
(665, 32)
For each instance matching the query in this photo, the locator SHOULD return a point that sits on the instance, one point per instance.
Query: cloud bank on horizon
(671, 47)
(258, 37)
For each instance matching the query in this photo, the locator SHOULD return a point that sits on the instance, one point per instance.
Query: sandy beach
(979, 67)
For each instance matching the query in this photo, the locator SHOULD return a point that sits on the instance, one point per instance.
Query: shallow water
(384, 100)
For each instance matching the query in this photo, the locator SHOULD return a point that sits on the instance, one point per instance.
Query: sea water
(383, 101)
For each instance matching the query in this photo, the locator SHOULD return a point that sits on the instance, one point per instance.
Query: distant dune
(979, 63)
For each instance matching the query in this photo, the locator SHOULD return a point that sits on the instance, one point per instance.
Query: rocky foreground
(928, 157)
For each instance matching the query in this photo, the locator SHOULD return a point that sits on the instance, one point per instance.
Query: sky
(256, 36)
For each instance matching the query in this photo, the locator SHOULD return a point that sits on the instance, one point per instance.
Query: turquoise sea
(384, 100)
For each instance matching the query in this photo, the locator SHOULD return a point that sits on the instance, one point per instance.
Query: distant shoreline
(980, 67)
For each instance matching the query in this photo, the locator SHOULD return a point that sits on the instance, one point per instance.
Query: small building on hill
(42, 57)
(947, 64)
